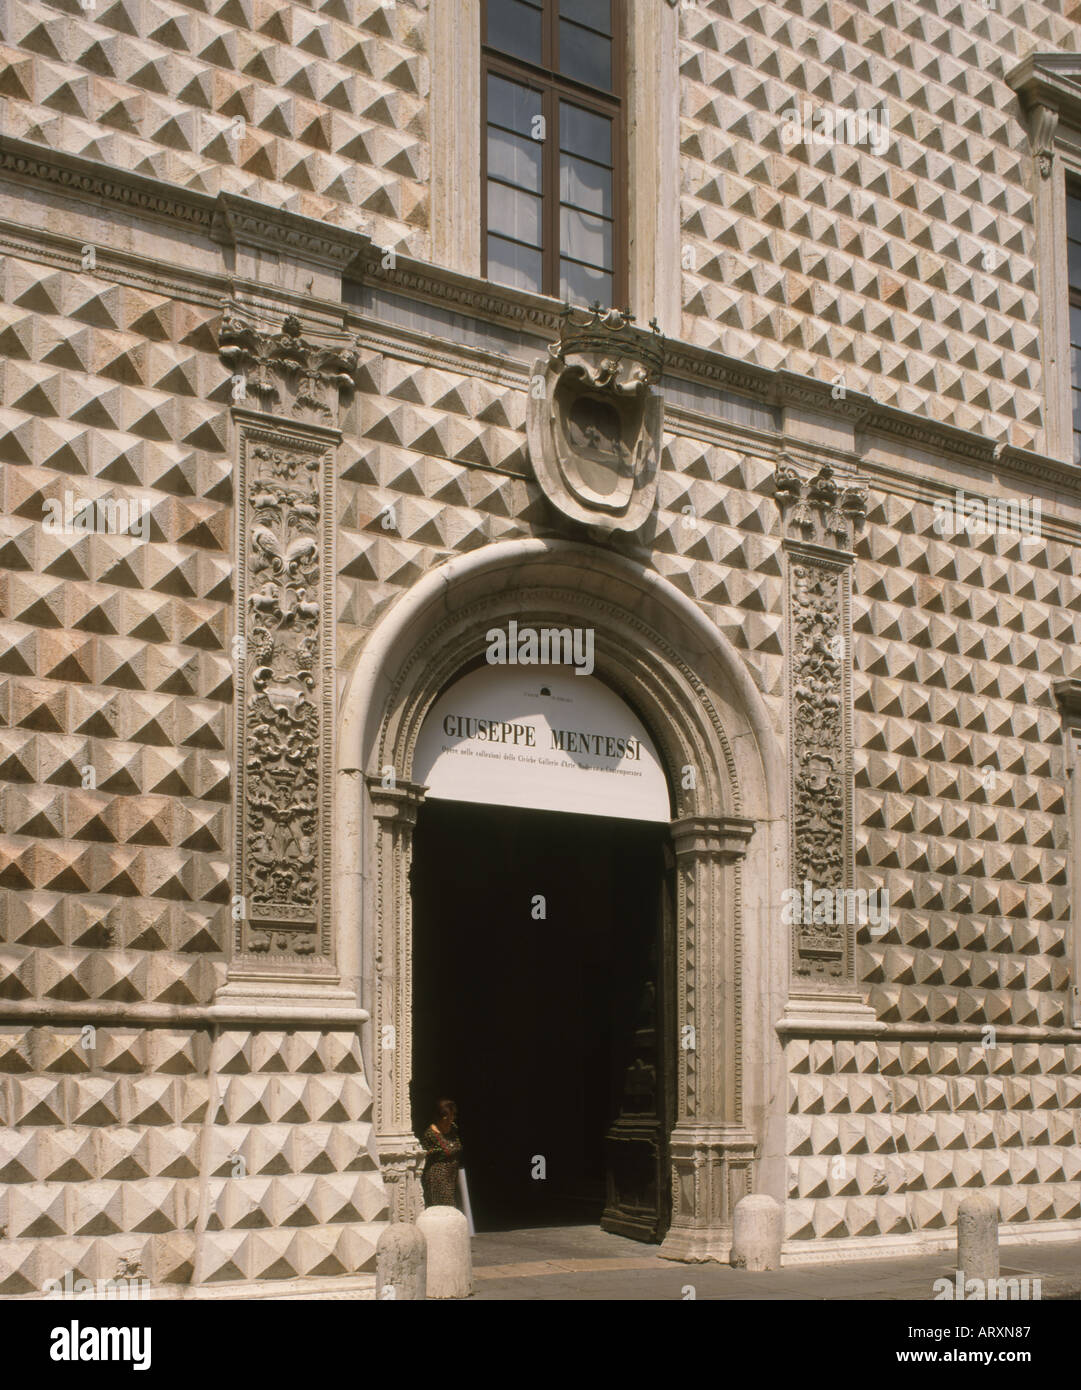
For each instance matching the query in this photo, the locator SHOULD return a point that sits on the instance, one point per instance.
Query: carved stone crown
(610, 334)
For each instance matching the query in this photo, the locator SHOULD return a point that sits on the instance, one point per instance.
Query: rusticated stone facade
(207, 722)
(911, 272)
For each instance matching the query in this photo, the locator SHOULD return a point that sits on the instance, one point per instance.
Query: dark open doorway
(552, 1033)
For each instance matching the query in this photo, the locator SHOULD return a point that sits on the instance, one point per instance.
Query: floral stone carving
(282, 716)
(820, 517)
(594, 420)
(819, 769)
(285, 631)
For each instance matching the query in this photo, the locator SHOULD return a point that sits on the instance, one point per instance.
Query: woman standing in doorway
(444, 1156)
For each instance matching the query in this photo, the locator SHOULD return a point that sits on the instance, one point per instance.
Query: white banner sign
(544, 739)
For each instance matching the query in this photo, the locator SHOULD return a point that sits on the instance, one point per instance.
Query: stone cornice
(241, 221)
(920, 1032)
(1052, 80)
(534, 313)
(87, 178)
(318, 1010)
(229, 220)
(463, 293)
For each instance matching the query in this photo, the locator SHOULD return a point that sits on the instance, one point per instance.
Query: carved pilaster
(710, 1149)
(286, 399)
(1068, 698)
(820, 517)
(400, 1154)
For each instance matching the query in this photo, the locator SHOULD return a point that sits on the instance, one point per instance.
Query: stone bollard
(400, 1258)
(450, 1260)
(977, 1238)
(756, 1234)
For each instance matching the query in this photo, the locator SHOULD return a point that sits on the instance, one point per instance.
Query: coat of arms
(594, 428)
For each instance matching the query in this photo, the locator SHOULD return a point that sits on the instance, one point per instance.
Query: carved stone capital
(400, 802)
(721, 837)
(284, 374)
(1049, 85)
(819, 511)
(401, 1161)
(1068, 698)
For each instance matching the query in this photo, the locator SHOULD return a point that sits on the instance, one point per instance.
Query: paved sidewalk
(585, 1263)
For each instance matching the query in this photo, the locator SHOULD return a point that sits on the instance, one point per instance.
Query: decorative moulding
(86, 178)
(1049, 85)
(228, 217)
(452, 289)
(536, 314)
(1051, 80)
(594, 420)
(243, 222)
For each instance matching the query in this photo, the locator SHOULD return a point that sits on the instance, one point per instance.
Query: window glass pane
(514, 214)
(1077, 409)
(585, 185)
(581, 132)
(1075, 366)
(581, 284)
(1075, 326)
(585, 238)
(1073, 216)
(1074, 257)
(596, 13)
(512, 106)
(513, 265)
(515, 27)
(516, 160)
(585, 56)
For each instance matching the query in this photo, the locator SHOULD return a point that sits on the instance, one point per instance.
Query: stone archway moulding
(723, 758)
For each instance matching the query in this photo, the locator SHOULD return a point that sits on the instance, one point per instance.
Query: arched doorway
(543, 948)
(720, 753)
